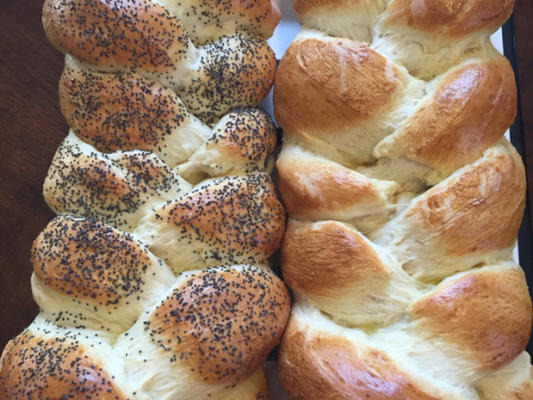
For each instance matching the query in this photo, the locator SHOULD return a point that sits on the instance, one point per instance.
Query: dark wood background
(32, 128)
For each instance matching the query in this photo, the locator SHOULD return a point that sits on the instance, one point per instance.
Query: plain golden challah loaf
(153, 281)
(404, 203)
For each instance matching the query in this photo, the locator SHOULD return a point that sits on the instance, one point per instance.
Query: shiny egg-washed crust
(495, 328)
(344, 275)
(116, 35)
(249, 137)
(229, 220)
(226, 16)
(330, 368)
(450, 17)
(454, 18)
(341, 82)
(206, 322)
(303, 6)
(477, 210)
(152, 90)
(404, 202)
(103, 266)
(318, 360)
(115, 188)
(428, 37)
(321, 259)
(118, 112)
(455, 126)
(125, 111)
(348, 85)
(240, 143)
(242, 215)
(34, 368)
(234, 70)
(91, 275)
(310, 186)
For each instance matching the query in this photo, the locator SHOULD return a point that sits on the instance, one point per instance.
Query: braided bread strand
(404, 202)
(153, 281)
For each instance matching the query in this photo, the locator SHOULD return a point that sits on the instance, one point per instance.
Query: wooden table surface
(32, 128)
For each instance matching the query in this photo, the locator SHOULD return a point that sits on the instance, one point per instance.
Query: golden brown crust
(199, 17)
(478, 210)
(486, 312)
(116, 34)
(339, 99)
(327, 368)
(80, 183)
(323, 257)
(235, 71)
(34, 368)
(118, 111)
(264, 17)
(240, 143)
(303, 6)
(341, 82)
(85, 183)
(469, 112)
(234, 218)
(454, 18)
(309, 186)
(222, 323)
(85, 259)
(246, 134)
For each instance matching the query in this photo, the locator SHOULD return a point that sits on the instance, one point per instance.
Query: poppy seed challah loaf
(404, 203)
(153, 282)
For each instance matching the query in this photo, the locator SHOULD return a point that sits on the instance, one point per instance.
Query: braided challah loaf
(230, 66)
(404, 202)
(153, 281)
